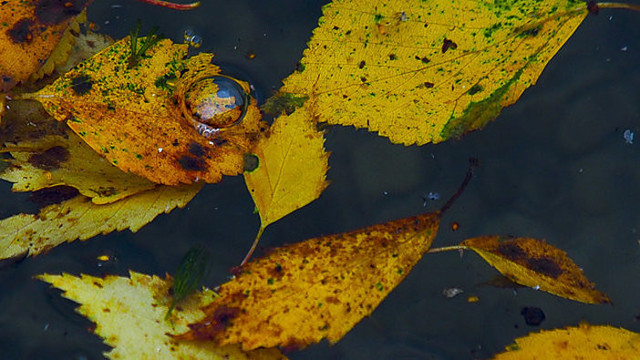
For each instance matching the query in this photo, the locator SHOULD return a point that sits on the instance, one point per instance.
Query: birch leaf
(536, 264)
(62, 158)
(141, 117)
(320, 288)
(422, 71)
(597, 342)
(292, 167)
(79, 218)
(129, 316)
(30, 31)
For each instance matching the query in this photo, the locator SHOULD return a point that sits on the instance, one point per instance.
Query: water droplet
(215, 103)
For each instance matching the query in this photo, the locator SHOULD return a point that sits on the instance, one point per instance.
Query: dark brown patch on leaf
(448, 44)
(428, 85)
(191, 163)
(196, 149)
(392, 57)
(22, 31)
(53, 195)
(219, 321)
(361, 65)
(81, 84)
(51, 12)
(511, 251)
(50, 159)
(545, 266)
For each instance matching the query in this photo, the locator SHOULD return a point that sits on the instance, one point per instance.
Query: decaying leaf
(29, 33)
(129, 316)
(595, 342)
(320, 288)
(61, 158)
(79, 218)
(423, 71)
(291, 171)
(536, 264)
(135, 116)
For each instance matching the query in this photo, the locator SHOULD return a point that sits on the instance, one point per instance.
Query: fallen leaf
(320, 288)
(62, 158)
(129, 316)
(291, 171)
(137, 118)
(595, 342)
(536, 264)
(31, 30)
(425, 71)
(79, 218)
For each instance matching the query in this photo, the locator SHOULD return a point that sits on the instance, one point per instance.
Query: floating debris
(451, 292)
(628, 136)
(192, 39)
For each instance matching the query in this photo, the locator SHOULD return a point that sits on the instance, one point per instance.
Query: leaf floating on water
(129, 312)
(582, 342)
(134, 117)
(191, 272)
(536, 264)
(291, 171)
(31, 31)
(79, 218)
(319, 288)
(423, 71)
(52, 155)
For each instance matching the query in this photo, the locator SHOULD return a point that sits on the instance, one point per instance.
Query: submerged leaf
(320, 288)
(79, 218)
(536, 264)
(423, 71)
(574, 343)
(193, 267)
(129, 312)
(139, 118)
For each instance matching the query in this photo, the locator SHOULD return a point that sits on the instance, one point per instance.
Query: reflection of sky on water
(555, 165)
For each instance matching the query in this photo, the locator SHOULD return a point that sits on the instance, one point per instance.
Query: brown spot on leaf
(511, 251)
(22, 31)
(191, 163)
(428, 85)
(362, 64)
(51, 12)
(448, 44)
(545, 266)
(81, 84)
(53, 195)
(196, 149)
(392, 57)
(50, 159)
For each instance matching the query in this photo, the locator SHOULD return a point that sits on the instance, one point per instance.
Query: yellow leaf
(536, 264)
(142, 118)
(292, 167)
(31, 30)
(424, 71)
(320, 288)
(62, 158)
(129, 315)
(593, 342)
(79, 218)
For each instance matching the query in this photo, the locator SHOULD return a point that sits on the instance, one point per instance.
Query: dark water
(554, 166)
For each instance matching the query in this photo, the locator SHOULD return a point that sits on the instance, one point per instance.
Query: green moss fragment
(283, 102)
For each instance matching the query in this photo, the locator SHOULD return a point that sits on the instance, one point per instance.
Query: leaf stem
(253, 246)
(171, 5)
(447, 248)
(473, 163)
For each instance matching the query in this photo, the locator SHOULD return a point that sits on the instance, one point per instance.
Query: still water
(555, 165)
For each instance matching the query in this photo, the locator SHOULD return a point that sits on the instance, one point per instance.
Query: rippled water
(554, 166)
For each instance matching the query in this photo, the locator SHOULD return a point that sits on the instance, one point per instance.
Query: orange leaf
(322, 287)
(31, 30)
(137, 118)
